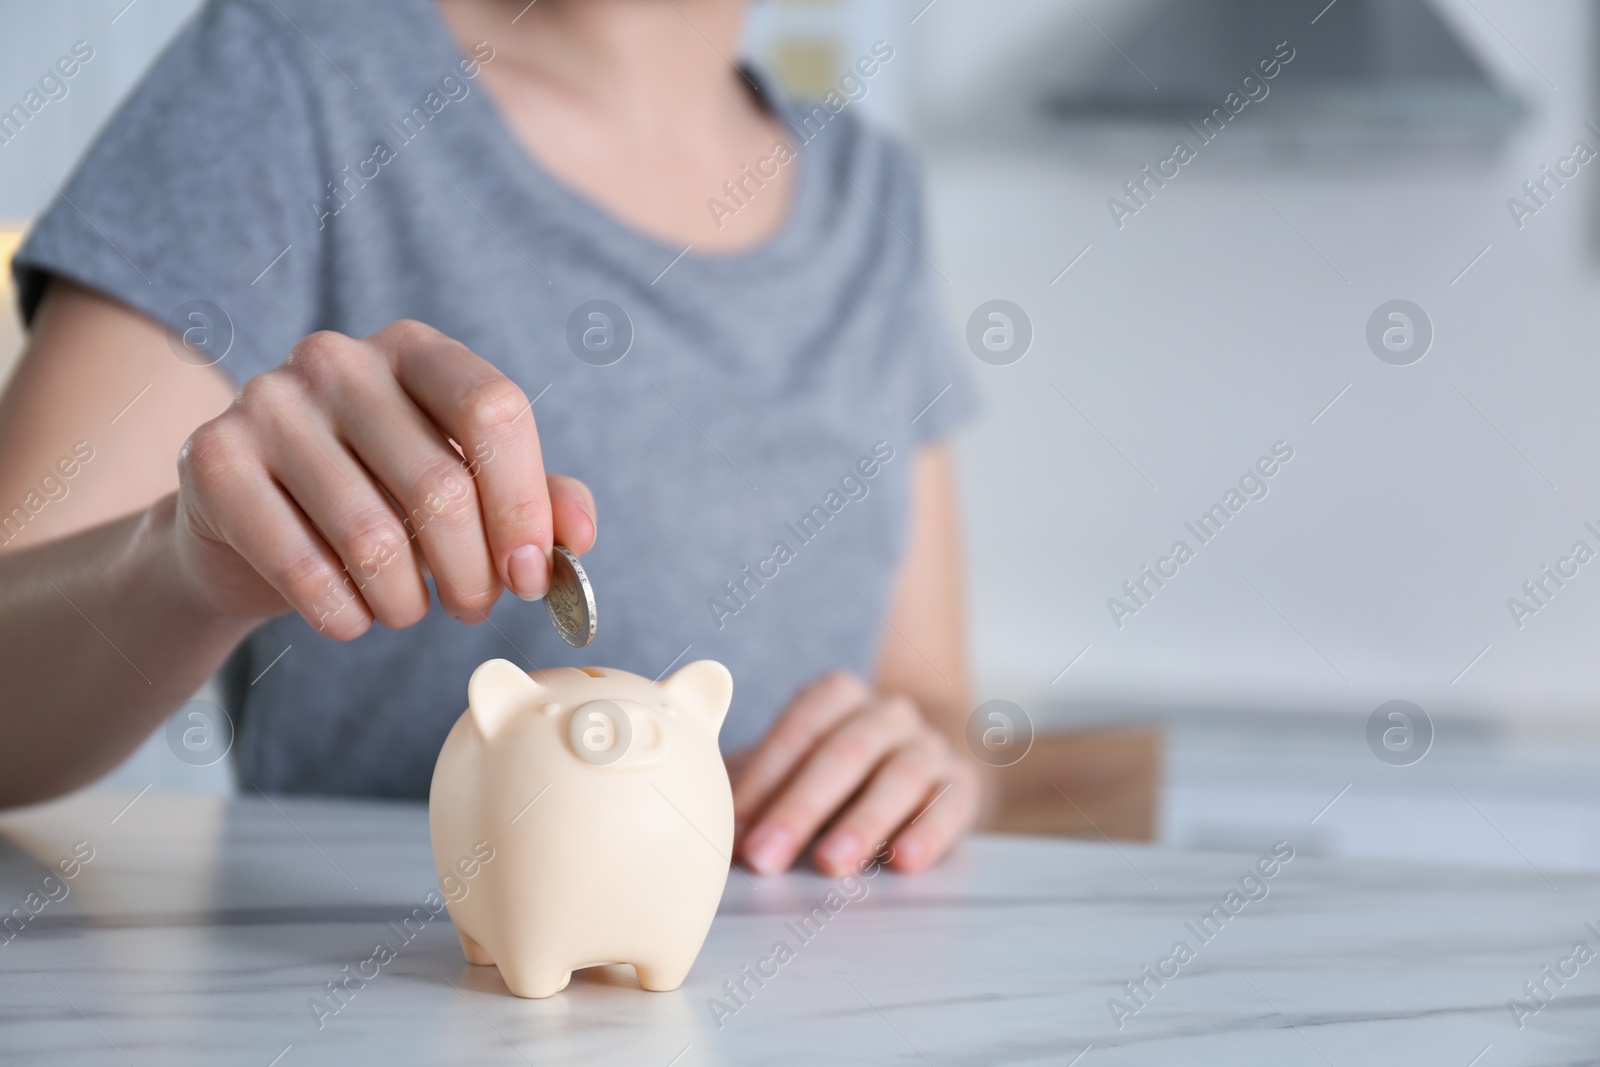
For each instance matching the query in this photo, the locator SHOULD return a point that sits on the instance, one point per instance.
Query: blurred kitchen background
(1179, 338)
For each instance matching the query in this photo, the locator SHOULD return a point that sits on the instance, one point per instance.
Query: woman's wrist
(157, 567)
(102, 629)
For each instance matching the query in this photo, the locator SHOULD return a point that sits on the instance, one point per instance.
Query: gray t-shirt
(303, 165)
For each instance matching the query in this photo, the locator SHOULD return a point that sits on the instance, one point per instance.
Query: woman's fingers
(828, 777)
(354, 517)
(492, 420)
(894, 796)
(941, 820)
(431, 484)
(572, 509)
(813, 712)
(391, 458)
(870, 774)
(234, 507)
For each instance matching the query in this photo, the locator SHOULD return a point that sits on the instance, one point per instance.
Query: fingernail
(530, 572)
(909, 853)
(769, 848)
(839, 851)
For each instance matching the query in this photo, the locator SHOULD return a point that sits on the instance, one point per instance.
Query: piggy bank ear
(497, 691)
(705, 686)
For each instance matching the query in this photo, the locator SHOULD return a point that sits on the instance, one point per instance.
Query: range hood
(1384, 76)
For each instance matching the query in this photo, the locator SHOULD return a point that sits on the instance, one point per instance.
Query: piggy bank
(593, 812)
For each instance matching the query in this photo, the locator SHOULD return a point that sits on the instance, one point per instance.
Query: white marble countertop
(201, 930)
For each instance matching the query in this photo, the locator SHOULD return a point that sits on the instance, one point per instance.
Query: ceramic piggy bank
(605, 806)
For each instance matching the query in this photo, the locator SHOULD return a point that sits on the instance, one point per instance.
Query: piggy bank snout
(615, 733)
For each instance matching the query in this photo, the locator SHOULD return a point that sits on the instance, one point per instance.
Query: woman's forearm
(100, 640)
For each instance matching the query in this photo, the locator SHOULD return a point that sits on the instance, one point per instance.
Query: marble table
(201, 931)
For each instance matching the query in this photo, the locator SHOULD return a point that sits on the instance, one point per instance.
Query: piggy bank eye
(599, 732)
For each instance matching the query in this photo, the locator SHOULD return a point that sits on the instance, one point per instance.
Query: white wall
(125, 38)
(33, 36)
(1209, 328)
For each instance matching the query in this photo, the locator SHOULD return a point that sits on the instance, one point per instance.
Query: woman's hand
(338, 482)
(868, 768)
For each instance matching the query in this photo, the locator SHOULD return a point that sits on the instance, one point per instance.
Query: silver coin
(570, 600)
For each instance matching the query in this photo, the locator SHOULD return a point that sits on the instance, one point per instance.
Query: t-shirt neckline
(576, 208)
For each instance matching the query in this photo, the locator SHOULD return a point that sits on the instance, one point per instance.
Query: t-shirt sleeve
(942, 395)
(191, 205)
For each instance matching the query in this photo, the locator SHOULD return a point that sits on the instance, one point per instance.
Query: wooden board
(1098, 783)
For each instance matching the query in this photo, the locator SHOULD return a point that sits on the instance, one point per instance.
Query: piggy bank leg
(663, 976)
(476, 954)
(536, 982)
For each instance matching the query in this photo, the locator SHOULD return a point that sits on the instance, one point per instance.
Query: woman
(369, 271)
